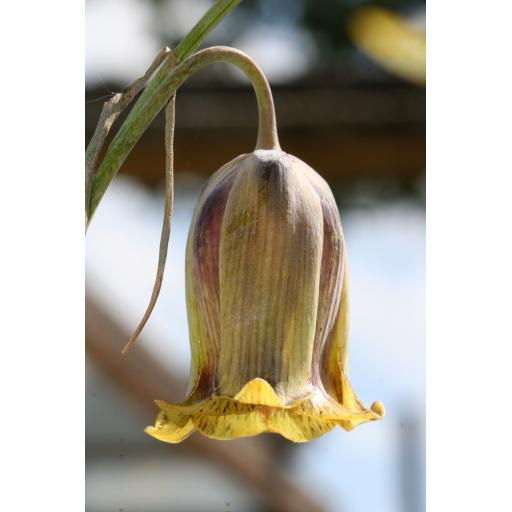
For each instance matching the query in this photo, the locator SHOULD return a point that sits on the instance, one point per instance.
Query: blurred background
(348, 78)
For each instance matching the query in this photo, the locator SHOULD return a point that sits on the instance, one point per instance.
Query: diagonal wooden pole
(139, 375)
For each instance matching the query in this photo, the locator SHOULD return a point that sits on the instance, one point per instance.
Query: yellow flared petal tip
(170, 427)
(172, 435)
(259, 392)
(378, 408)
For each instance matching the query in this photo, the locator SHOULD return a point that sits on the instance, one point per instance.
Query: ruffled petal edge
(256, 409)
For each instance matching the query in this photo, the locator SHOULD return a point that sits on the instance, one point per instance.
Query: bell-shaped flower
(267, 299)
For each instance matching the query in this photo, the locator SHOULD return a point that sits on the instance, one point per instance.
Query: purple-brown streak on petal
(206, 274)
(330, 281)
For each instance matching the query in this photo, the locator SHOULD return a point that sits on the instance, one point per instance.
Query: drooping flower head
(267, 299)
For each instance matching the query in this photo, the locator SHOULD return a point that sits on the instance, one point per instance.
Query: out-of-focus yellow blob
(395, 43)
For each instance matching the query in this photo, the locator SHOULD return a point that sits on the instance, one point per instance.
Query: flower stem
(156, 96)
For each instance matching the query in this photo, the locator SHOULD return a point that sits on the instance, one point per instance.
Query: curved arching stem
(267, 131)
(156, 96)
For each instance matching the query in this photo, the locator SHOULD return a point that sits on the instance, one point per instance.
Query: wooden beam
(346, 133)
(338, 157)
